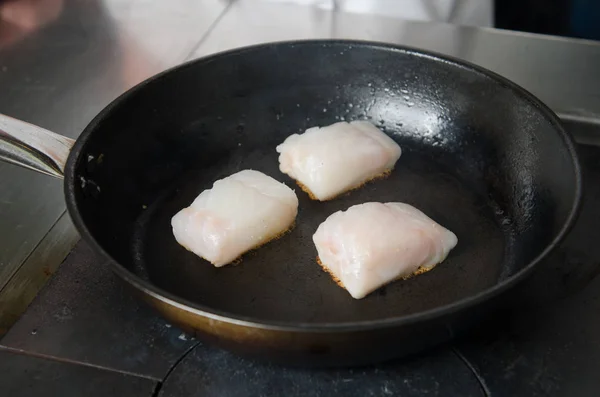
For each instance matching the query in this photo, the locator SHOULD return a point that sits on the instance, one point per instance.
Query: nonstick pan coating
(480, 156)
(281, 281)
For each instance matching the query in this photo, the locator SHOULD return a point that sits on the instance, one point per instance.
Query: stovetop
(85, 334)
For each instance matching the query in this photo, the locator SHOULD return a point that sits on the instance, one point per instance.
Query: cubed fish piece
(329, 161)
(240, 212)
(372, 244)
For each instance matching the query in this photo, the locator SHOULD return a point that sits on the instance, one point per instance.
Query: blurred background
(573, 18)
(569, 18)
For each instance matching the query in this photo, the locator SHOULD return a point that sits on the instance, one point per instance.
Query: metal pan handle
(33, 147)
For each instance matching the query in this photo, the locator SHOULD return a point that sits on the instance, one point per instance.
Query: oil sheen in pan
(281, 281)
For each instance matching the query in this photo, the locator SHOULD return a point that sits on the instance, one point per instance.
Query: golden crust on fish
(239, 213)
(329, 161)
(373, 244)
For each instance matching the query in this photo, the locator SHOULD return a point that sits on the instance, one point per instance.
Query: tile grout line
(74, 362)
(33, 250)
(160, 383)
(484, 388)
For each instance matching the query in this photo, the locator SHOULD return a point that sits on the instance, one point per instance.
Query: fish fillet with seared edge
(240, 212)
(372, 244)
(329, 161)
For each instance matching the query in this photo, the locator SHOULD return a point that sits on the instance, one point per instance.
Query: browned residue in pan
(277, 236)
(333, 277)
(420, 270)
(383, 175)
(238, 260)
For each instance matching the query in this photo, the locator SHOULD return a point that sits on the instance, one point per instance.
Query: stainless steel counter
(60, 74)
(562, 72)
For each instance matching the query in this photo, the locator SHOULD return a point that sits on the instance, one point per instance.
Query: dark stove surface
(85, 334)
(440, 373)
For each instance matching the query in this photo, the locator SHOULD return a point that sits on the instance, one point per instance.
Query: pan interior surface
(479, 157)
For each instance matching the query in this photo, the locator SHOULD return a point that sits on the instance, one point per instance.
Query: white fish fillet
(372, 244)
(331, 160)
(239, 212)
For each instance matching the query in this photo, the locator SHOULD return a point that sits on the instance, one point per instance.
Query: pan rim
(439, 312)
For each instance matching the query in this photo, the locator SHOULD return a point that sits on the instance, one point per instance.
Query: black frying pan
(480, 155)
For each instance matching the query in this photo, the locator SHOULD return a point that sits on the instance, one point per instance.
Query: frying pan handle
(33, 147)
